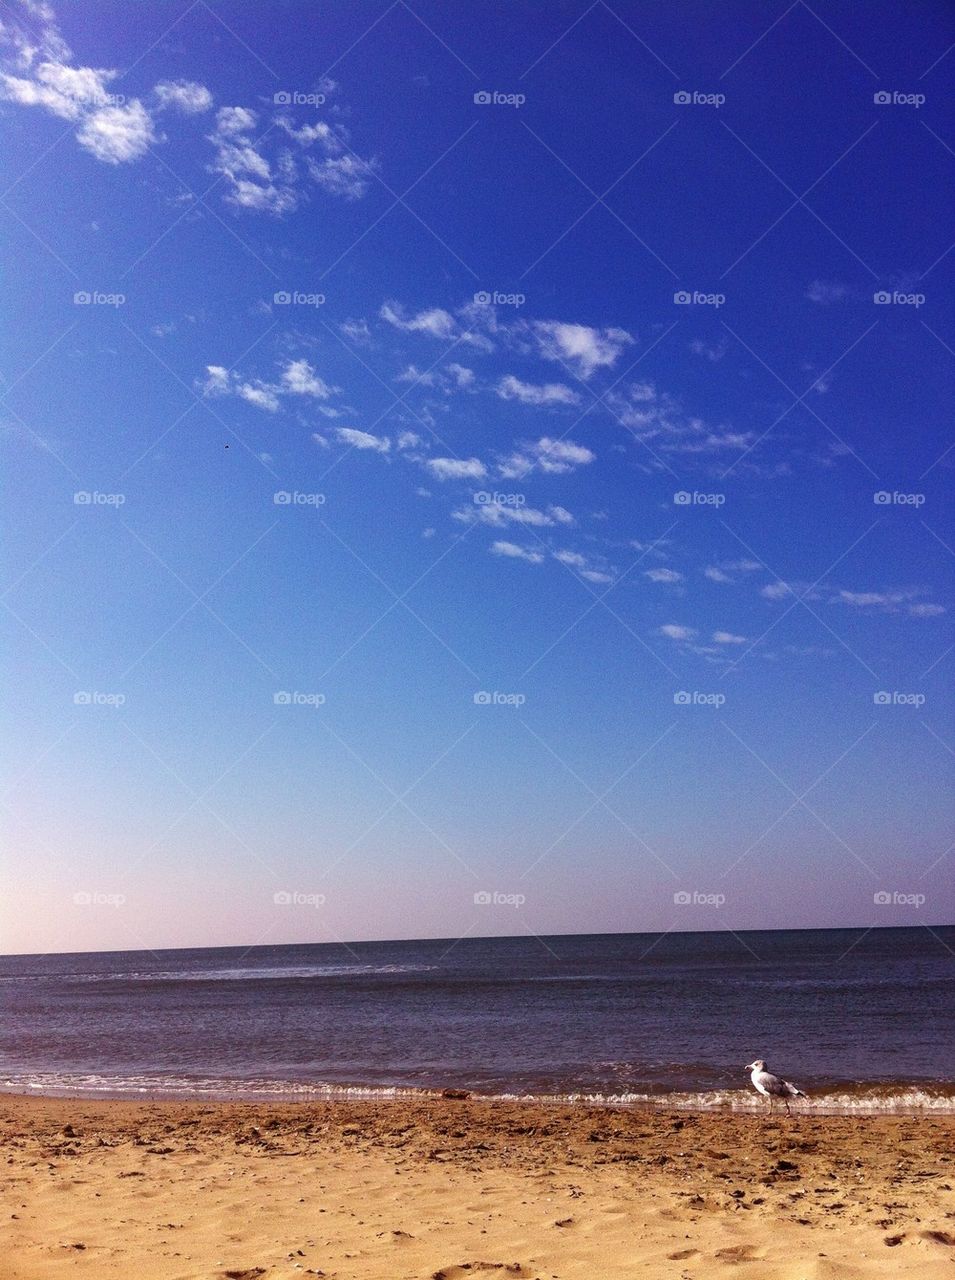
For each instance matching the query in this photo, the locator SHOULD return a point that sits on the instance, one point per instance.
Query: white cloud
(184, 95)
(436, 322)
(259, 394)
(356, 331)
(727, 637)
(582, 566)
(266, 186)
(514, 552)
(729, 569)
(462, 376)
(112, 128)
(498, 515)
(346, 176)
(663, 575)
(362, 439)
(67, 92)
(673, 631)
(553, 457)
(452, 378)
(658, 420)
(253, 184)
(112, 132)
(582, 348)
(712, 351)
(872, 599)
(889, 602)
(216, 382)
(573, 559)
(777, 590)
(550, 393)
(456, 468)
(297, 378)
(300, 378)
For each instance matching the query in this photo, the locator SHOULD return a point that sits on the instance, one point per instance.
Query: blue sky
(475, 452)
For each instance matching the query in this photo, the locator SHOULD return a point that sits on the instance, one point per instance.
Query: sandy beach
(452, 1188)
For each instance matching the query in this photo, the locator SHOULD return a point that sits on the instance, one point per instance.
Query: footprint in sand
(682, 1255)
(243, 1273)
(939, 1237)
(737, 1253)
(463, 1270)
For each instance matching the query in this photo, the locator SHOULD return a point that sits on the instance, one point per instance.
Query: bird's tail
(793, 1091)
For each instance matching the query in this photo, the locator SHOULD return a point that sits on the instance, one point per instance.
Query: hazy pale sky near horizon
(475, 470)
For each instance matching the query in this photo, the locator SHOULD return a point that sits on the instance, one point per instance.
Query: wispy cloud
(185, 95)
(729, 570)
(658, 419)
(550, 393)
(552, 457)
(580, 347)
(674, 631)
(513, 552)
(456, 468)
(38, 71)
(363, 439)
(296, 378)
(501, 514)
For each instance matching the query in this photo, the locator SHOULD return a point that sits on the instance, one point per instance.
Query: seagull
(771, 1086)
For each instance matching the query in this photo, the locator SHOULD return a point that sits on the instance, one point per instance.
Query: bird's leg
(786, 1101)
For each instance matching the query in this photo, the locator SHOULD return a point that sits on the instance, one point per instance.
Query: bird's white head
(758, 1065)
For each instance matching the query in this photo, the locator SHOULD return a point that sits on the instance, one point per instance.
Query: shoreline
(902, 1099)
(397, 1189)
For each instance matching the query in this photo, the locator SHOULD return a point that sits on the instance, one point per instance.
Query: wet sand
(456, 1189)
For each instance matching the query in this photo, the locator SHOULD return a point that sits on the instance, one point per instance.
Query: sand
(467, 1190)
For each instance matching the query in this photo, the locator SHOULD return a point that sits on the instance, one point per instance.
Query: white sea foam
(885, 1100)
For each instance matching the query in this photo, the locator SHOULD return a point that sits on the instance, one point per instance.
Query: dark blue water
(859, 1019)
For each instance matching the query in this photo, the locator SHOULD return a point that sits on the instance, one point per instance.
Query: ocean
(863, 1020)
